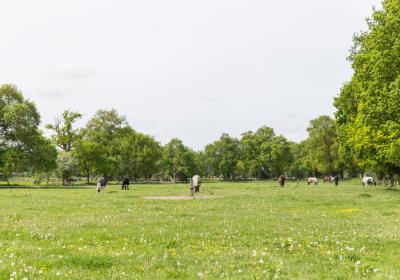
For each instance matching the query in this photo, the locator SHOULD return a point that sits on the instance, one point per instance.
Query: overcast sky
(186, 69)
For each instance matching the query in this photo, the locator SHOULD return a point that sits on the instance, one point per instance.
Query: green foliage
(90, 157)
(22, 145)
(222, 156)
(178, 161)
(66, 165)
(106, 129)
(265, 154)
(64, 134)
(140, 156)
(322, 145)
(368, 115)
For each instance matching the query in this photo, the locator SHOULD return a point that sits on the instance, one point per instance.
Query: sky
(186, 69)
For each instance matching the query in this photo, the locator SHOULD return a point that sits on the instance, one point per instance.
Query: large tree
(90, 157)
(323, 145)
(222, 156)
(64, 137)
(22, 145)
(107, 128)
(265, 154)
(178, 161)
(65, 134)
(140, 156)
(368, 114)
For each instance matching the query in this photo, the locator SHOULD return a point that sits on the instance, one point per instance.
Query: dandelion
(240, 271)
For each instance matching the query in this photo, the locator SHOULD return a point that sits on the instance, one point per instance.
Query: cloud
(69, 71)
(210, 99)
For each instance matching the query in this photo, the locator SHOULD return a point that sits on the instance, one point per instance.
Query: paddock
(241, 230)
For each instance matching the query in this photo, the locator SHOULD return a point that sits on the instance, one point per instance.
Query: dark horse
(125, 183)
(281, 181)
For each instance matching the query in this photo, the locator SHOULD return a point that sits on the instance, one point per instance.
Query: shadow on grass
(392, 190)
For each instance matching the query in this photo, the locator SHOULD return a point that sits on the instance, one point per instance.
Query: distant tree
(264, 153)
(323, 145)
(90, 157)
(178, 161)
(300, 166)
(368, 106)
(107, 128)
(223, 155)
(65, 134)
(66, 165)
(22, 145)
(43, 157)
(140, 156)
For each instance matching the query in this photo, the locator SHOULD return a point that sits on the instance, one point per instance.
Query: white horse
(195, 184)
(313, 180)
(101, 184)
(368, 181)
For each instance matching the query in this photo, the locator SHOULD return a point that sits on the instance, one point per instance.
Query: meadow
(237, 231)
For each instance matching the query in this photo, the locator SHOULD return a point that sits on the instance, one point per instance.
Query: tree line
(107, 145)
(363, 136)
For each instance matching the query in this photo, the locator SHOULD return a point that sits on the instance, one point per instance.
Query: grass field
(242, 231)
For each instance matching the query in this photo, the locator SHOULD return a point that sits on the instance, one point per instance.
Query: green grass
(245, 231)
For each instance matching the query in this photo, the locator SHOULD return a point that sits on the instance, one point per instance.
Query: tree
(64, 137)
(106, 128)
(64, 134)
(90, 157)
(66, 165)
(323, 145)
(43, 157)
(22, 145)
(300, 166)
(264, 153)
(179, 162)
(368, 113)
(140, 156)
(223, 155)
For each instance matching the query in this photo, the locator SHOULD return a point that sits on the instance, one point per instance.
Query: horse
(313, 180)
(101, 184)
(195, 183)
(328, 179)
(281, 181)
(125, 183)
(368, 181)
(37, 182)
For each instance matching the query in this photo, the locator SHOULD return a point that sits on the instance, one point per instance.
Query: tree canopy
(368, 115)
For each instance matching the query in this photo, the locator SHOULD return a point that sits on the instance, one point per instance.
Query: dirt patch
(176, 197)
